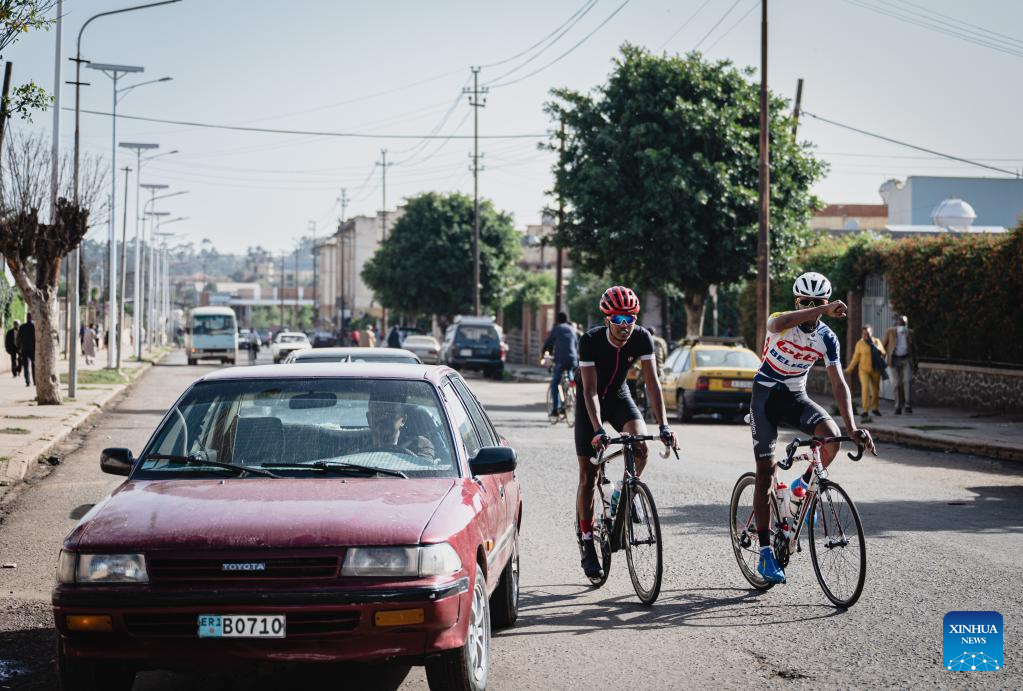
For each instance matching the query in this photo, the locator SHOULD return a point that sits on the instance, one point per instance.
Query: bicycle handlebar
(632, 439)
(790, 449)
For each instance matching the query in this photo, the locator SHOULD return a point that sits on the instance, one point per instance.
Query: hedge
(963, 293)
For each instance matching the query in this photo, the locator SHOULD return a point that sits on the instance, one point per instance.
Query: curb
(931, 441)
(17, 468)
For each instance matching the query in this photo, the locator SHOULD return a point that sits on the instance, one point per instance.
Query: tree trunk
(694, 301)
(44, 312)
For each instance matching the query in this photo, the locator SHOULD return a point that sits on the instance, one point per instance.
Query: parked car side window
(683, 361)
(483, 425)
(669, 364)
(459, 415)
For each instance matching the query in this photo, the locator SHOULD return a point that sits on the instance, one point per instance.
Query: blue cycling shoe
(768, 568)
(798, 489)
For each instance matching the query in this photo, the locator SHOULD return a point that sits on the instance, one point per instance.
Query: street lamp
(115, 72)
(149, 292)
(73, 326)
(154, 276)
(137, 330)
(165, 302)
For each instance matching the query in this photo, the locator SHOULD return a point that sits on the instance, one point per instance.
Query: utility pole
(383, 214)
(124, 268)
(294, 308)
(339, 302)
(764, 241)
(316, 311)
(476, 102)
(559, 291)
(796, 108)
(280, 283)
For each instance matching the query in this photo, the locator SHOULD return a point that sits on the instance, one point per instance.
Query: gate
(878, 313)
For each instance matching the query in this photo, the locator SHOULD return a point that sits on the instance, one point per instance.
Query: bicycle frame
(617, 534)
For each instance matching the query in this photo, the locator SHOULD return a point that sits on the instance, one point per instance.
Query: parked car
(287, 341)
(709, 376)
(244, 339)
(352, 354)
(426, 347)
(324, 339)
(266, 337)
(475, 343)
(298, 514)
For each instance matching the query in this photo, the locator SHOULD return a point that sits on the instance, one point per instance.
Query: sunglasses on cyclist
(811, 302)
(623, 319)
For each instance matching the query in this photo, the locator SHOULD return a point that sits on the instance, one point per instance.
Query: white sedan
(426, 347)
(286, 342)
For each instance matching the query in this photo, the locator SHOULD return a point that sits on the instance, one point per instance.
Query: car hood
(260, 512)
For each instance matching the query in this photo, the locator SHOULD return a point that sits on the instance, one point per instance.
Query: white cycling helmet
(812, 285)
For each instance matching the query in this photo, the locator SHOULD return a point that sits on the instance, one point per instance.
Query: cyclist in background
(795, 340)
(605, 355)
(563, 343)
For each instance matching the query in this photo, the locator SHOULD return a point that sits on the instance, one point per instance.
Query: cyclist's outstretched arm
(653, 389)
(786, 320)
(589, 376)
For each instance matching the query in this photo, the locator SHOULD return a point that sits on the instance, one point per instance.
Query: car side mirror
(116, 461)
(491, 460)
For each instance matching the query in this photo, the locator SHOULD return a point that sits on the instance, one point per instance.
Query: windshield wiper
(338, 465)
(197, 461)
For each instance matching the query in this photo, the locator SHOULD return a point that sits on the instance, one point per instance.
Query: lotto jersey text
(789, 355)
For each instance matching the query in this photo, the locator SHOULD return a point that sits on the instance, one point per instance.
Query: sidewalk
(28, 432)
(993, 435)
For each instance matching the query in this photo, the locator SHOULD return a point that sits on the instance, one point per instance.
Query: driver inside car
(387, 418)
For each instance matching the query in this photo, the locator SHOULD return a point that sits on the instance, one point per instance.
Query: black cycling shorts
(616, 409)
(778, 405)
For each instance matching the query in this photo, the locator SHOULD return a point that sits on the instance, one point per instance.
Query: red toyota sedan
(299, 513)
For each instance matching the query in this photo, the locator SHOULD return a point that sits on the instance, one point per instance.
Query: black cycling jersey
(612, 363)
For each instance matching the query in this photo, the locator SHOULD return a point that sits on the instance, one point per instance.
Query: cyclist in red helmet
(605, 355)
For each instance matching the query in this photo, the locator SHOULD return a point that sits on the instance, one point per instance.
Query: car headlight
(427, 560)
(111, 568)
(67, 562)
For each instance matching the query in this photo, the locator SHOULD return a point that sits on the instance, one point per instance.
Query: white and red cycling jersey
(789, 355)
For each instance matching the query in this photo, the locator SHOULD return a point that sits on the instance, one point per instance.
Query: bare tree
(33, 250)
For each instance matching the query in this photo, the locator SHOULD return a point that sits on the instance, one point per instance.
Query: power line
(586, 6)
(717, 40)
(908, 145)
(684, 24)
(717, 23)
(567, 52)
(960, 22)
(313, 133)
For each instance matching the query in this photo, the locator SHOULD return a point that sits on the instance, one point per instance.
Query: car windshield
(212, 325)
(726, 358)
(292, 339)
(304, 428)
(400, 359)
(476, 335)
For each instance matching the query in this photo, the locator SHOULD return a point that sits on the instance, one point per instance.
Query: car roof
(396, 353)
(292, 333)
(720, 346)
(332, 370)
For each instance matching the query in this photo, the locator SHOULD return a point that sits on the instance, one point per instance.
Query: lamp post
(153, 306)
(164, 318)
(138, 148)
(149, 291)
(73, 326)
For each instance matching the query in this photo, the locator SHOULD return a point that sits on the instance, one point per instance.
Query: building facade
(997, 201)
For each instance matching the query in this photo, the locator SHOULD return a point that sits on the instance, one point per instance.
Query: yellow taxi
(708, 375)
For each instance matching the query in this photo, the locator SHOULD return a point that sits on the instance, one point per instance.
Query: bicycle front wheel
(742, 527)
(837, 547)
(643, 543)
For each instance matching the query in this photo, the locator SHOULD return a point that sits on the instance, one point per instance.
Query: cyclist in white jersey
(795, 340)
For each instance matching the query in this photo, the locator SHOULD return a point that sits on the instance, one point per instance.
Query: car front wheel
(681, 411)
(466, 668)
(504, 603)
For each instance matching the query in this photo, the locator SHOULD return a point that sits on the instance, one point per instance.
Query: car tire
(191, 362)
(85, 675)
(504, 603)
(466, 668)
(681, 410)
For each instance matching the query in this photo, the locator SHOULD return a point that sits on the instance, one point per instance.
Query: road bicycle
(634, 525)
(837, 546)
(566, 391)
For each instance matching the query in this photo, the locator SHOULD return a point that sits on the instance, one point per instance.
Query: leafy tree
(425, 265)
(660, 174)
(529, 288)
(18, 17)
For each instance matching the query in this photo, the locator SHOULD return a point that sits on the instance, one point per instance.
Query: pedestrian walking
(901, 349)
(367, 339)
(868, 357)
(394, 337)
(89, 343)
(27, 349)
(355, 337)
(11, 346)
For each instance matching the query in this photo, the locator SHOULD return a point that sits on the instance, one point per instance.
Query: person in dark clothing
(563, 343)
(394, 337)
(11, 346)
(27, 349)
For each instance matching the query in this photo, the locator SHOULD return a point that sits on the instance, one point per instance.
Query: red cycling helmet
(619, 300)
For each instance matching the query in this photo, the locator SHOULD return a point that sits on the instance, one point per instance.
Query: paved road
(944, 532)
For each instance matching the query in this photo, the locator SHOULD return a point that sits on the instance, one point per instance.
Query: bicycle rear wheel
(552, 417)
(601, 538)
(568, 398)
(643, 543)
(743, 529)
(837, 546)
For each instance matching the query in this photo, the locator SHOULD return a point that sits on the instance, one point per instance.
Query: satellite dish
(954, 215)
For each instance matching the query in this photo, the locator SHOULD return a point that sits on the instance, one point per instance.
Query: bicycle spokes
(837, 545)
(642, 542)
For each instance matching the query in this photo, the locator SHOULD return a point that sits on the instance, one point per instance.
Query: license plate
(465, 352)
(242, 625)
(740, 384)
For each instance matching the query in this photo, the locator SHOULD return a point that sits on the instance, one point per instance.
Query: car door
(507, 483)
(667, 378)
(491, 511)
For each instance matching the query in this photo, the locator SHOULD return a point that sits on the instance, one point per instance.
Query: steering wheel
(392, 448)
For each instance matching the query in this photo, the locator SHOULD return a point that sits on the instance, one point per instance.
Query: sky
(398, 67)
